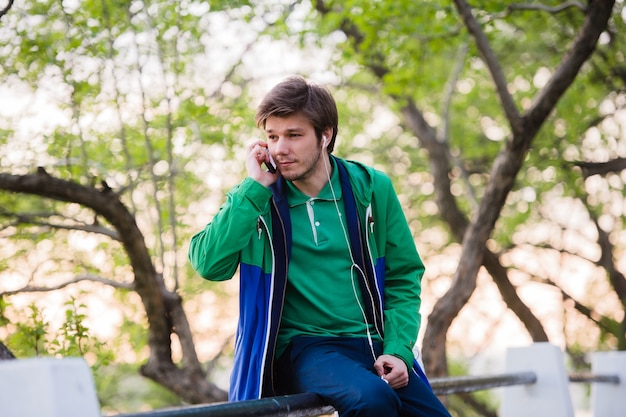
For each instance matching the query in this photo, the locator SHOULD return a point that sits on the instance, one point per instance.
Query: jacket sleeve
(214, 252)
(403, 274)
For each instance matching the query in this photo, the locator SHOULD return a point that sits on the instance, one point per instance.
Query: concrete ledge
(549, 396)
(47, 387)
(607, 400)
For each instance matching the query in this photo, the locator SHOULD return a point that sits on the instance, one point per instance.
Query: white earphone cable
(354, 268)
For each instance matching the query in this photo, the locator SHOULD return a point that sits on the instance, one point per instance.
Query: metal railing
(461, 384)
(297, 405)
(589, 378)
(309, 405)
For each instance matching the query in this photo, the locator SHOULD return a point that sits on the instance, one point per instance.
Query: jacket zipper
(261, 224)
(370, 222)
(271, 303)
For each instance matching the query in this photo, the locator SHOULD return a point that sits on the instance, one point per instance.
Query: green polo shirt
(320, 297)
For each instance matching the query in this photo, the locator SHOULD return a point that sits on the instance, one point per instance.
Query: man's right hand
(254, 164)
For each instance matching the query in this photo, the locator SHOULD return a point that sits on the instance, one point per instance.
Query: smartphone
(271, 165)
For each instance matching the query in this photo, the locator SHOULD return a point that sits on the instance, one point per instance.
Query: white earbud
(324, 141)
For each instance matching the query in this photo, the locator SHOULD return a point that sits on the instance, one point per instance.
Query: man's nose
(280, 146)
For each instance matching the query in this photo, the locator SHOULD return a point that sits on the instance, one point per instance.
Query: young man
(329, 273)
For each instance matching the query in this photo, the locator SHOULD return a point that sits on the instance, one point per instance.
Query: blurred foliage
(33, 335)
(470, 404)
(121, 389)
(119, 386)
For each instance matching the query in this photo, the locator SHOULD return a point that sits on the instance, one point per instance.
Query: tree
(503, 110)
(396, 44)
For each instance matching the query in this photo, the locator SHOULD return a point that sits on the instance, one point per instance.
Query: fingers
(397, 378)
(392, 370)
(256, 144)
(258, 153)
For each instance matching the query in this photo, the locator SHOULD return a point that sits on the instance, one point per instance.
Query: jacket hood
(361, 178)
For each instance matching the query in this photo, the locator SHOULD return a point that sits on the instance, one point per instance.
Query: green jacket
(251, 231)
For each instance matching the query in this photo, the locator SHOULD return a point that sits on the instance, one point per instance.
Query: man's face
(295, 148)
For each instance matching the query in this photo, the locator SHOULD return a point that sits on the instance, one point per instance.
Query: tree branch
(75, 280)
(596, 20)
(508, 104)
(609, 325)
(450, 88)
(602, 168)
(445, 116)
(32, 219)
(376, 61)
(7, 8)
(555, 9)
(606, 261)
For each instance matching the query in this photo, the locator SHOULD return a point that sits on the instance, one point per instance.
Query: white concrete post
(607, 399)
(47, 387)
(549, 396)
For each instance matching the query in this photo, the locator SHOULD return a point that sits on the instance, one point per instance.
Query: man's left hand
(393, 370)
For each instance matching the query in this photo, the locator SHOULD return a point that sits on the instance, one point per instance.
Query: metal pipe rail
(459, 384)
(589, 378)
(308, 404)
(297, 405)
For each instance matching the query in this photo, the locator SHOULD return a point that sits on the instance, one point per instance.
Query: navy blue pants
(341, 371)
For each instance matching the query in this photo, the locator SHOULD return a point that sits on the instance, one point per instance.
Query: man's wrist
(407, 358)
(256, 192)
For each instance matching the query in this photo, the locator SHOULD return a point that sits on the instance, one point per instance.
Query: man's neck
(314, 184)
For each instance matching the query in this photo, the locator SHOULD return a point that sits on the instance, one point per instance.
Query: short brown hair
(296, 95)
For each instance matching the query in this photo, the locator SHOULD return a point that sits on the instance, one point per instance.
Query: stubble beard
(310, 167)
